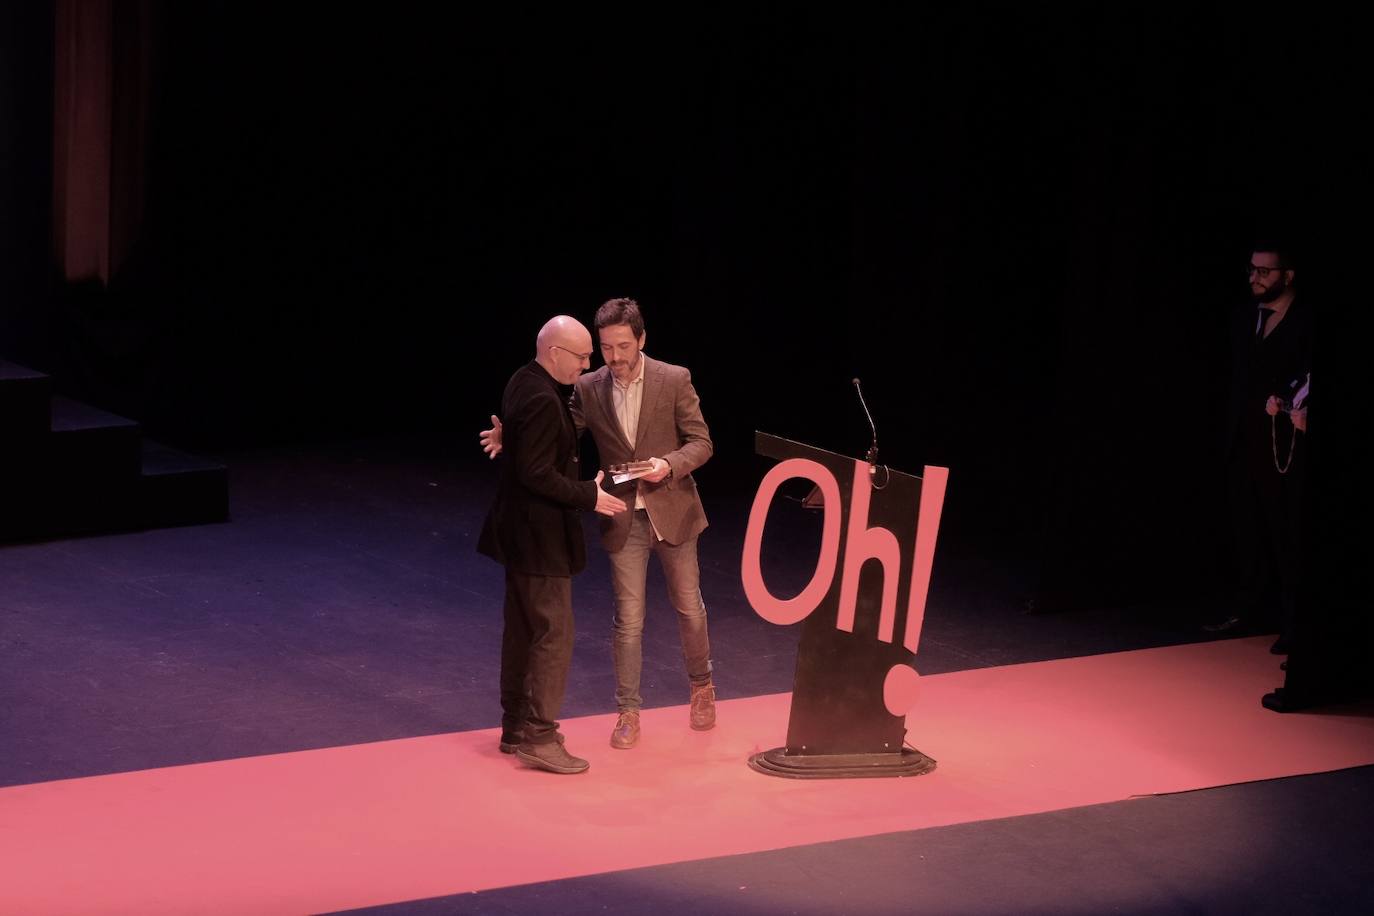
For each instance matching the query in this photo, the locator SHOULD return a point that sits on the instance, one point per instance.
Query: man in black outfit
(1265, 451)
(533, 529)
(1332, 640)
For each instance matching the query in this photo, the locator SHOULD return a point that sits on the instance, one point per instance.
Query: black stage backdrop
(1021, 228)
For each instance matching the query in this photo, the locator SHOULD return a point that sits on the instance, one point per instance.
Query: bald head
(564, 348)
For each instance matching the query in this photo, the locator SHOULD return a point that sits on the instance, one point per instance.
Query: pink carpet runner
(422, 817)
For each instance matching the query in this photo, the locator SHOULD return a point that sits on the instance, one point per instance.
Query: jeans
(629, 568)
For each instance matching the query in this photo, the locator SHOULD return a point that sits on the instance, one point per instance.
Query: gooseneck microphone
(872, 449)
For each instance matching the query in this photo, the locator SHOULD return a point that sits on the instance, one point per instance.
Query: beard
(1269, 295)
(622, 367)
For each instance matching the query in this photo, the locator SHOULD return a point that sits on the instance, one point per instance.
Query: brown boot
(626, 732)
(703, 712)
(551, 756)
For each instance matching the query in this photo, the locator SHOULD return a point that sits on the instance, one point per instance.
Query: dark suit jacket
(1277, 367)
(670, 427)
(533, 525)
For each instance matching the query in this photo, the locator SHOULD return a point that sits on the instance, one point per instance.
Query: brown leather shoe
(626, 732)
(703, 712)
(551, 756)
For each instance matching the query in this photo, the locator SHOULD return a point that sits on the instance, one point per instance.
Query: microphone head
(855, 382)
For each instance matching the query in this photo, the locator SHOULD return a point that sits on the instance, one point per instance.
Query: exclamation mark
(900, 687)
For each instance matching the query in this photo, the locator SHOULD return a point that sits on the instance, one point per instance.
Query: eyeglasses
(1262, 272)
(578, 356)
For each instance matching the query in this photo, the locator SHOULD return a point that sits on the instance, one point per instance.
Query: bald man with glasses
(534, 530)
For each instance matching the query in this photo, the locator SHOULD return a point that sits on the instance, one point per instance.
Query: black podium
(854, 681)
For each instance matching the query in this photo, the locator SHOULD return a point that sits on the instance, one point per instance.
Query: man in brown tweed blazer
(641, 409)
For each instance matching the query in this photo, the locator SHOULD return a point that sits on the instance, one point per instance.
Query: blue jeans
(629, 568)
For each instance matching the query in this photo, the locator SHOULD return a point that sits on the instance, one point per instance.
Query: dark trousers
(1266, 534)
(536, 651)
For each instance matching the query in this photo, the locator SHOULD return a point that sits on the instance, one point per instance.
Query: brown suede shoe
(509, 742)
(703, 711)
(626, 732)
(551, 756)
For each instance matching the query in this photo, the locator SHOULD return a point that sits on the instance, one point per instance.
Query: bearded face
(1268, 280)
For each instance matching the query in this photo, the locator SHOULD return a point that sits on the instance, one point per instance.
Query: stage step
(94, 443)
(180, 489)
(24, 397)
(67, 468)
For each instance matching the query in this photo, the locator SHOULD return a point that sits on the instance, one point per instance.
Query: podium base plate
(777, 762)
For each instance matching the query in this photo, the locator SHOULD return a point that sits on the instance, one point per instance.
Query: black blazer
(1278, 366)
(533, 525)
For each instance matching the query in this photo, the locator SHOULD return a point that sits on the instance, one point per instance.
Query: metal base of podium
(777, 762)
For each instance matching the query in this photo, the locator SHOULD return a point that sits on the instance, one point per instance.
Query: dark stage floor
(344, 603)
